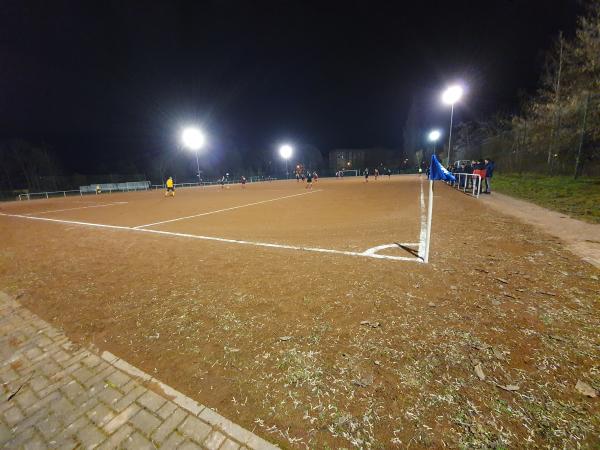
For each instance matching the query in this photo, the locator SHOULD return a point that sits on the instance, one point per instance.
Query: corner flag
(439, 172)
(436, 172)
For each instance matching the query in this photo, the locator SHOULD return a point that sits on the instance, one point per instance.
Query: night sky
(104, 80)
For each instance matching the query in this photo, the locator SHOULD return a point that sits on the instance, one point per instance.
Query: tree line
(557, 129)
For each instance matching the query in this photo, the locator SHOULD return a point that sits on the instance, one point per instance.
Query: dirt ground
(481, 348)
(580, 237)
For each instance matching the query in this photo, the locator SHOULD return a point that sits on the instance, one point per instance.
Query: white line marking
(423, 234)
(225, 209)
(212, 238)
(79, 207)
(374, 250)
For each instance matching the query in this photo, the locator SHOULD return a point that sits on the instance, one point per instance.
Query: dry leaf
(586, 389)
(509, 387)
(365, 381)
(285, 338)
(498, 354)
(479, 372)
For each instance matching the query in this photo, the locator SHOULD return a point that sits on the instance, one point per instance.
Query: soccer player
(316, 176)
(389, 171)
(376, 173)
(309, 179)
(170, 187)
(366, 175)
(98, 189)
(243, 181)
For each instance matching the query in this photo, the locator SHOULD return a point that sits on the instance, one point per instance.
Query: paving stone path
(55, 395)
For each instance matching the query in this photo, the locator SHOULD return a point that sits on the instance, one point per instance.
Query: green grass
(579, 199)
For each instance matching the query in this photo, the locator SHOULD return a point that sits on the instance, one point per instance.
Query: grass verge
(579, 199)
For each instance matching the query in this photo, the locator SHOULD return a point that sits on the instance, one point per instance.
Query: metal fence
(214, 182)
(112, 187)
(468, 181)
(89, 189)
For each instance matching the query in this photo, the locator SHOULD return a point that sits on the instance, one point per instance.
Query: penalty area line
(224, 209)
(218, 239)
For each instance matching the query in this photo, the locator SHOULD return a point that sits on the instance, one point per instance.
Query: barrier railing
(469, 181)
(90, 189)
(129, 186)
(34, 195)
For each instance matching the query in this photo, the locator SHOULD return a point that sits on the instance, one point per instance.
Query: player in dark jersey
(367, 175)
(243, 181)
(309, 180)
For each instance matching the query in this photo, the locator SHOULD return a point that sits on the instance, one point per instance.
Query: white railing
(462, 182)
(34, 195)
(89, 189)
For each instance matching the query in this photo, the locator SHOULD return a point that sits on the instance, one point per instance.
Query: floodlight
(192, 138)
(452, 94)
(286, 151)
(434, 135)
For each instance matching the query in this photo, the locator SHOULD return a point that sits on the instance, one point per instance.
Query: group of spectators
(484, 168)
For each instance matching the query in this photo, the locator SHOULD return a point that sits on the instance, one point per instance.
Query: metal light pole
(450, 96)
(198, 166)
(286, 151)
(193, 139)
(450, 133)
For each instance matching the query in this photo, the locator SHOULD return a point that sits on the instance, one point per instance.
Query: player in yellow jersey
(170, 187)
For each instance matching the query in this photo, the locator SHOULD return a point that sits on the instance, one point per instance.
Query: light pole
(450, 96)
(193, 139)
(285, 151)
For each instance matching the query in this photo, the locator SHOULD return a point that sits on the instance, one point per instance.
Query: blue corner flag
(439, 172)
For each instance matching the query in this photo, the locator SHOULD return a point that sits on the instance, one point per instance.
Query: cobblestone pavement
(55, 395)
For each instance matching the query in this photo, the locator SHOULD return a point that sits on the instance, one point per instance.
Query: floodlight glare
(452, 94)
(285, 151)
(192, 138)
(434, 135)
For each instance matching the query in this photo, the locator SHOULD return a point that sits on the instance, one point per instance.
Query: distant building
(346, 159)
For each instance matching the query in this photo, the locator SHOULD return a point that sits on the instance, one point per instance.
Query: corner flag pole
(429, 214)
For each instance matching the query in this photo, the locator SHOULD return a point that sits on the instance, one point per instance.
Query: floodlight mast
(193, 139)
(450, 96)
(285, 151)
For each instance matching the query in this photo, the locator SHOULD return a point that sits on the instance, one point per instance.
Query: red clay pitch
(315, 349)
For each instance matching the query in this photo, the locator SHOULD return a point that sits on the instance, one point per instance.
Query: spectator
(469, 170)
(489, 172)
(478, 169)
(462, 170)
